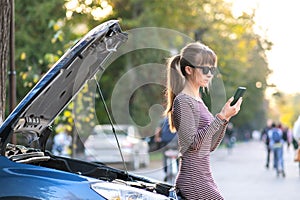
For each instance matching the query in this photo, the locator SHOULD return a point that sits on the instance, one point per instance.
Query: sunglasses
(206, 69)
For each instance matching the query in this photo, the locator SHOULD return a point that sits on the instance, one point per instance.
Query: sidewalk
(242, 175)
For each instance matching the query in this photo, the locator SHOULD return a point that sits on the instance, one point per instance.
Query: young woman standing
(199, 132)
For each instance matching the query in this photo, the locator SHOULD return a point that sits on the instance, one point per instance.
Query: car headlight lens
(117, 192)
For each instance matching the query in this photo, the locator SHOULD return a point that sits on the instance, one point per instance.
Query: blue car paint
(19, 179)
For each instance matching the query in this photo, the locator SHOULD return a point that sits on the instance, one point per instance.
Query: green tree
(287, 108)
(241, 52)
(242, 60)
(40, 39)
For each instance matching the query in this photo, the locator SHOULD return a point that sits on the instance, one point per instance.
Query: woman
(199, 132)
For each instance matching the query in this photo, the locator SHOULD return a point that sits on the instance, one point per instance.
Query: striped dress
(199, 133)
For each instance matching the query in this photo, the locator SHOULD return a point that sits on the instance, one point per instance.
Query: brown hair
(193, 54)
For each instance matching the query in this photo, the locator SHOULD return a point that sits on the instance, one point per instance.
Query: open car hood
(36, 112)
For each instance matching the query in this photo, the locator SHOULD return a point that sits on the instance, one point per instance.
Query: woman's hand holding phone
(232, 106)
(238, 93)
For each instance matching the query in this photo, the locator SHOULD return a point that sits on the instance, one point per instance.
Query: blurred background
(240, 32)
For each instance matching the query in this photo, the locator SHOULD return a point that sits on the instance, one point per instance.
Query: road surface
(241, 175)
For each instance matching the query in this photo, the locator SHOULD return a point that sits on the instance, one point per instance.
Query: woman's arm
(219, 135)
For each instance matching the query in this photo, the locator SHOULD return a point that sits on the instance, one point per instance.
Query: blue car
(35, 173)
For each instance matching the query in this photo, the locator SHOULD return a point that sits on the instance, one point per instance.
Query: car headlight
(117, 192)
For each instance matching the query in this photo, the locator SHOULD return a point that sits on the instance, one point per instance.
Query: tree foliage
(44, 29)
(287, 108)
(37, 39)
(241, 52)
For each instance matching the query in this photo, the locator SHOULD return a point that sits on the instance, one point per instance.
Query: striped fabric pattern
(199, 133)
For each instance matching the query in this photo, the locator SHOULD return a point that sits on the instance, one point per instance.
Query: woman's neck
(191, 90)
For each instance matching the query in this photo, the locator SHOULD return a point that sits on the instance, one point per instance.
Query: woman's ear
(188, 70)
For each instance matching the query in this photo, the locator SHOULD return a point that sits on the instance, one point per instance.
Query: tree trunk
(5, 16)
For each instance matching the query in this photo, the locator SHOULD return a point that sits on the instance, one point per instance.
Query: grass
(155, 156)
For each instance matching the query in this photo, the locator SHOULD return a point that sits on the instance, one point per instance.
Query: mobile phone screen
(238, 93)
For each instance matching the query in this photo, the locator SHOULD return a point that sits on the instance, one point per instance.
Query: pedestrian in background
(296, 129)
(265, 138)
(296, 141)
(199, 132)
(287, 136)
(276, 144)
(166, 140)
(230, 139)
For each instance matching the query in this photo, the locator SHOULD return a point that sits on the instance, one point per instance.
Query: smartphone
(238, 93)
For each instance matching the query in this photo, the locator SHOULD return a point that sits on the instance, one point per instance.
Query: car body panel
(44, 183)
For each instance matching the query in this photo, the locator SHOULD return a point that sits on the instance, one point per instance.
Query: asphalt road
(241, 175)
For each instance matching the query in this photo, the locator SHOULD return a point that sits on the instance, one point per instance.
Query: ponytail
(174, 85)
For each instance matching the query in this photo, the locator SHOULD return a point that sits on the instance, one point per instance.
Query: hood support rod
(111, 123)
